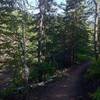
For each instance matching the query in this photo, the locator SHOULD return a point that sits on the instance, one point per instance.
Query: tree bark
(96, 48)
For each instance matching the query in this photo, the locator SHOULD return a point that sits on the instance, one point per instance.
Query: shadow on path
(69, 87)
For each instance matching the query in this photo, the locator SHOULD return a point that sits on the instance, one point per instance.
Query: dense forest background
(37, 41)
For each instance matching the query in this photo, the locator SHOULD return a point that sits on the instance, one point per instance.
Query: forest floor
(70, 87)
(5, 78)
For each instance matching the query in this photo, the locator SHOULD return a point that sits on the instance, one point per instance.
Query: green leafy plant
(96, 95)
(94, 71)
(6, 92)
(44, 69)
(83, 57)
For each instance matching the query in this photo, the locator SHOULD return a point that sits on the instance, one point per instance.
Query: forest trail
(68, 88)
(5, 78)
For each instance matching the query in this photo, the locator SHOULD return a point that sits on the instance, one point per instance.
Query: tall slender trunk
(22, 51)
(26, 69)
(96, 48)
(41, 34)
(99, 35)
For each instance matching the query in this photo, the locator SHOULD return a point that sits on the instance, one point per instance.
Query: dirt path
(5, 78)
(68, 88)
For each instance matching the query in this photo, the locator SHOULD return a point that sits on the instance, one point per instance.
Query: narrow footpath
(70, 87)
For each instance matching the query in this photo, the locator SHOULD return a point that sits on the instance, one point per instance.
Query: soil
(70, 87)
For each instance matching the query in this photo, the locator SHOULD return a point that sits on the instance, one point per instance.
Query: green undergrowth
(43, 70)
(94, 71)
(6, 92)
(96, 95)
(93, 76)
(84, 58)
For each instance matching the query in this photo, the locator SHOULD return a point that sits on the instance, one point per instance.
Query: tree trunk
(96, 48)
(41, 34)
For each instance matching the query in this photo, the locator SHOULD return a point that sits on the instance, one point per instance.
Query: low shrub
(6, 92)
(83, 58)
(96, 95)
(94, 71)
(43, 70)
